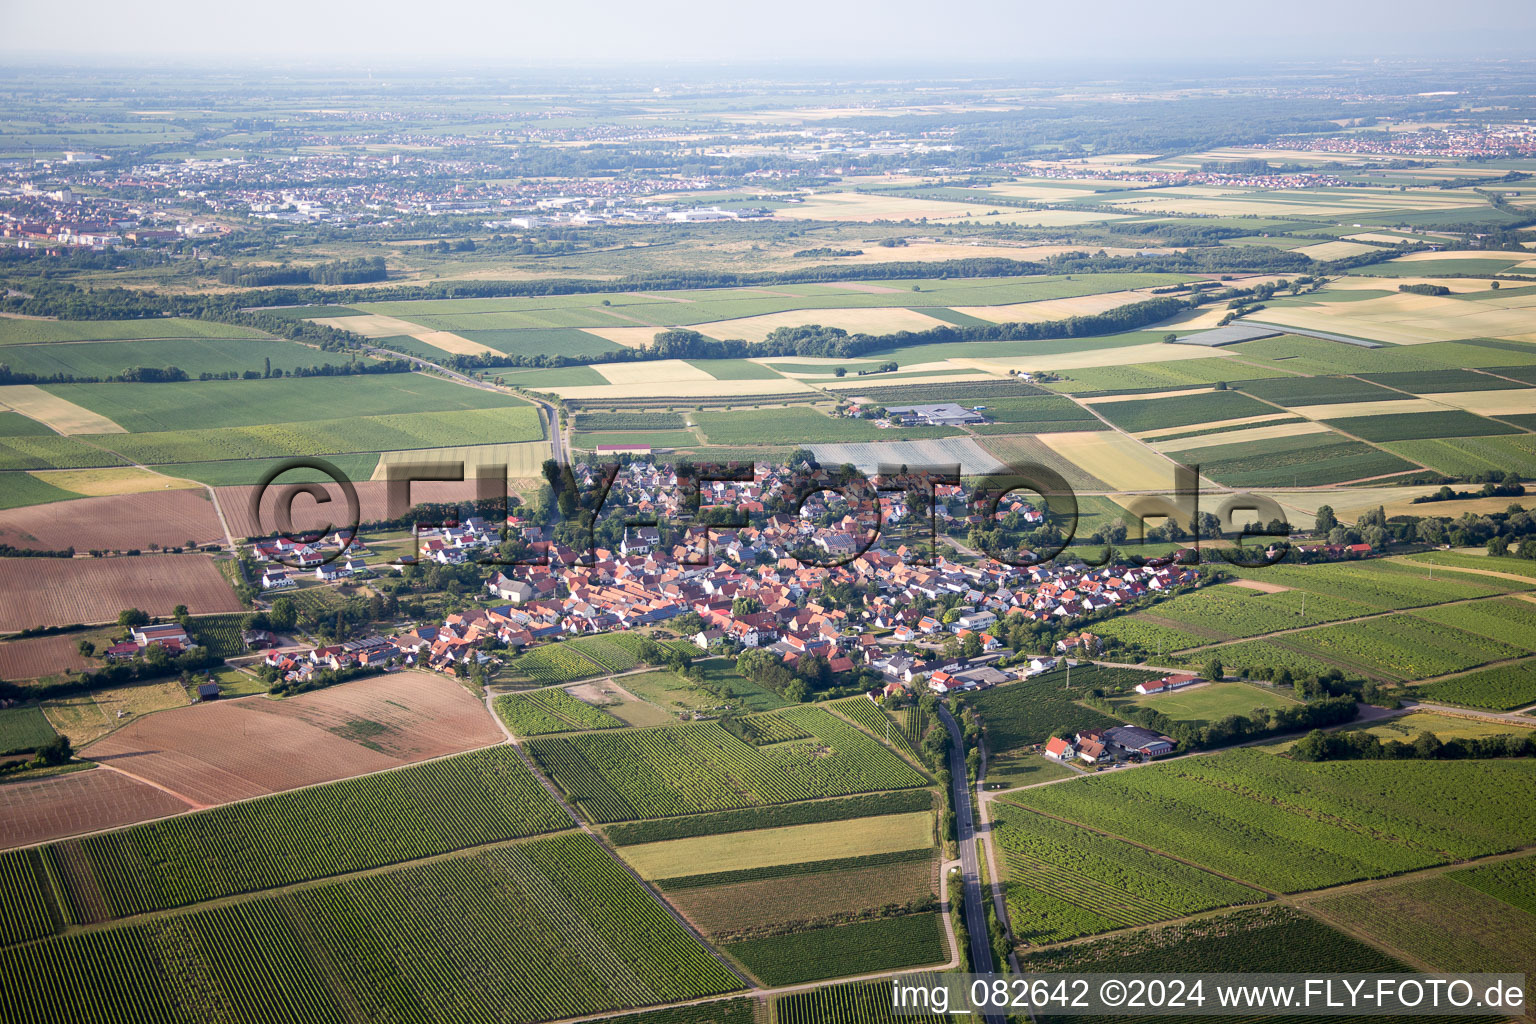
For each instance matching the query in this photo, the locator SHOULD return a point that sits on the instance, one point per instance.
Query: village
(812, 586)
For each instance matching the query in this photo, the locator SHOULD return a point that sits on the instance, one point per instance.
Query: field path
(168, 791)
(970, 868)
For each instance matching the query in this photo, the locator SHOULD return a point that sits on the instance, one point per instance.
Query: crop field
(1257, 818)
(869, 456)
(1284, 461)
(1406, 728)
(37, 810)
(62, 591)
(1387, 584)
(1261, 939)
(1206, 704)
(198, 405)
(1138, 415)
(743, 852)
(817, 896)
(1064, 881)
(44, 332)
(1417, 425)
(1468, 456)
(1518, 567)
(801, 425)
(674, 693)
(875, 719)
(1495, 689)
(904, 801)
(335, 829)
(328, 945)
(538, 712)
(865, 1002)
(168, 517)
(1302, 391)
(628, 421)
(195, 356)
(1020, 715)
(1018, 449)
(26, 910)
(39, 656)
(1223, 612)
(1391, 647)
(888, 943)
(579, 658)
(23, 728)
(386, 432)
(621, 775)
(1451, 921)
(1114, 458)
(220, 751)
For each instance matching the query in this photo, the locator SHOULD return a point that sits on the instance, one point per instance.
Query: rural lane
(970, 870)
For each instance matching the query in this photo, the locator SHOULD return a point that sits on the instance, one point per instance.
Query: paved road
(970, 873)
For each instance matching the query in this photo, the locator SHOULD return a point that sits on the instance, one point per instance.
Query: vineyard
(668, 771)
(1022, 714)
(865, 1002)
(220, 634)
(1383, 585)
(25, 908)
(885, 944)
(1509, 621)
(539, 712)
(581, 657)
(549, 928)
(875, 719)
(1292, 826)
(378, 819)
(1065, 881)
(1496, 689)
(868, 805)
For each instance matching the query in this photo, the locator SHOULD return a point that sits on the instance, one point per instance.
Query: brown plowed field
(61, 591)
(308, 515)
(41, 656)
(117, 522)
(65, 805)
(230, 750)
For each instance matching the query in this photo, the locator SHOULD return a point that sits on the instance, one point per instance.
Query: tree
(86, 648)
(284, 615)
(1213, 669)
(1325, 520)
(132, 617)
(1493, 285)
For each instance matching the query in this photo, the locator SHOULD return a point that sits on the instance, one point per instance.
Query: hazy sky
(512, 32)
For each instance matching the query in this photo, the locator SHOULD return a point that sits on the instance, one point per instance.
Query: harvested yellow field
(1376, 284)
(875, 320)
(54, 412)
(1453, 254)
(790, 844)
(1153, 352)
(1263, 433)
(863, 208)
(1514, 402)
(1408, 319)
(681, 389)
(115, 480)
(1143, 395)
(522, 459)
(1029, 218)
(856, 383)
(1334, 250)
(935, 252)
(450, 342)
(629, 337)
(371, 325)
(1339, 410)
(1349, 503)
(1052, 309)
(660, 371)
(1113, 457)
(1378, 236)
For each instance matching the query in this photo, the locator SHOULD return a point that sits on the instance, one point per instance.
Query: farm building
(1135, 740)
(943, 414)
(1167, 683)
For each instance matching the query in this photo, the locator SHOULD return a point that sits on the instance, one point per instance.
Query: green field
(385, 818)
(44, 332)
(19, 489)
(233, 472)
(392, 432)
(1206, 704)
(1295, 391)
(799, 425)
(1064, 881)
(1414, 426)
(51, 451)
(745, 854)
(193, 355)
(1323, 458)
(621, 775)
(722, 684)
(1137, 415)
(555, 341)
(1290, 826)
(888, 943)
(23, 728)
(866, 805)
(1504, 688)
(549, 928)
